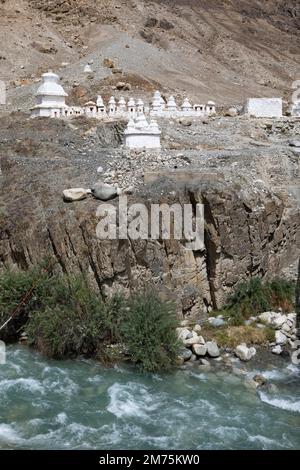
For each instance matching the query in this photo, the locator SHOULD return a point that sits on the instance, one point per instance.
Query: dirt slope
(223, 50)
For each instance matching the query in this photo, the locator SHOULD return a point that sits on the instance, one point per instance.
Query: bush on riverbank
(149, 331)
(254, 296)
(64, 317)
(20, 293)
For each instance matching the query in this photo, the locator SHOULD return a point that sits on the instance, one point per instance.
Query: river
(78, 404)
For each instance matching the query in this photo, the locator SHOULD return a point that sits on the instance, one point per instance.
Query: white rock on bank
(279, 320)
(212, 349)
(194, 340)
(199, 349)
(184, 333)
(244, 353)
(197, 328)
(286, 327)
(74, 194)
(280, 338)
(277, 349)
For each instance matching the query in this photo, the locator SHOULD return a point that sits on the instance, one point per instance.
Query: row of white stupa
(51, 97)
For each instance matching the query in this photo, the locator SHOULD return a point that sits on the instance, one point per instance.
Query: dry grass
(233, 335)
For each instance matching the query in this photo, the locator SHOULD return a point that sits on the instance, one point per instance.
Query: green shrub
(253, 297)
(20, 292)
(149, 332)
(72, 321)
(64, 317)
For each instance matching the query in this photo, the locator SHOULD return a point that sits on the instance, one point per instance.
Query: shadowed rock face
(248, 231)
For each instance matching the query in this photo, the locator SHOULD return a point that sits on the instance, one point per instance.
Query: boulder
(259, 379)
(104, 191)
(231, 112)
(109, 63)
(216, 321)
(120, 85)
(212, 349)
(194, 340)
(184, 333)
(279, 320)
(244, 353)
(186, 354)
(185, 122)
(197, 328)
(280, 338)
(277, 350)
(266, 317)
(199, 349)
(74, 194)
(286, 328)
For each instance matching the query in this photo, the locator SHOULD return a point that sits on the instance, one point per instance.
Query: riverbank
(269, 338)
(79, 404)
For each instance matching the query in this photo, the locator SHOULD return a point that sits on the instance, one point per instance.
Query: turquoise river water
(83, 405)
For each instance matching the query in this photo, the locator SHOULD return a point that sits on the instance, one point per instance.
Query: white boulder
(277, 349)
(195, 339)
(74, 194)
(280, 338)
(184, 333)
(212, 349)
(244, 353)
(199, 349)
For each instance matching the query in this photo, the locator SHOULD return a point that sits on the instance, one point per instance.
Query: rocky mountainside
(244, 171)
(225, 50)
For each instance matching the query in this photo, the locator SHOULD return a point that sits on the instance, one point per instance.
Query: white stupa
(171, 104)
(87, 68)
(112, 105)
(140, 134)
(50, 98)
(186, 105)
(157, 104)
(122, 105)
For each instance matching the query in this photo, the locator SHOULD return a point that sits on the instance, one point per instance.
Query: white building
(50, 98)
(140, 134)
(264, 107)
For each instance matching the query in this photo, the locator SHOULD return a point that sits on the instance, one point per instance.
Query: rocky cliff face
(249, 229)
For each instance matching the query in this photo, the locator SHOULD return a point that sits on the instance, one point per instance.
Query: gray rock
(197, 328)
(186, 354)
(216, 321)
(74, 194)
(231, 112)
(104, 191)
(185, 122)
(199, 349)
(212, 349)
